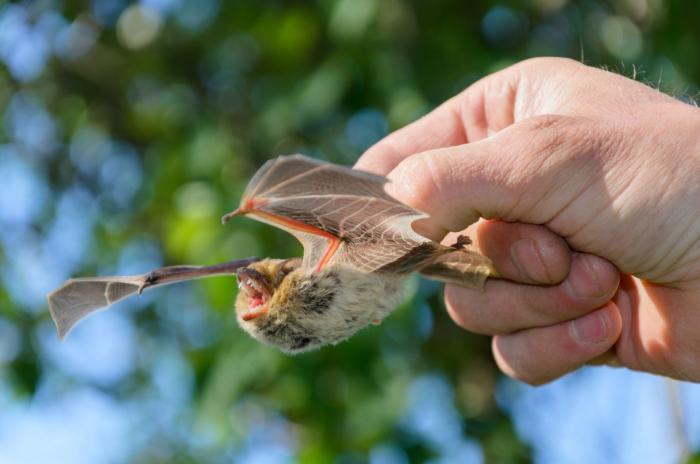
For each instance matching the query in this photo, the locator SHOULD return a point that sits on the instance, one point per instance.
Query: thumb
(529, 172)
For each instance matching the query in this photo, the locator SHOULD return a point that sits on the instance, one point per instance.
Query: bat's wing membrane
(287, 176)
(340, 215)
(461, 267)
(79, 297)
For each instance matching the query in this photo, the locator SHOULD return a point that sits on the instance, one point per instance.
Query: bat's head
(258, 283)
(272, 304)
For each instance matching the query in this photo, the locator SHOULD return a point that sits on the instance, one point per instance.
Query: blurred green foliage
(190, 98)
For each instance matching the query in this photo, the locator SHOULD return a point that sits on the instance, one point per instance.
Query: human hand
(608, 164)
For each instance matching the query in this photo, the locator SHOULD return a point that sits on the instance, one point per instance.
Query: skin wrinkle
(687, 257)
(508, 197)
(571, 236)
(524, 87)
(656, 254)
(542, 263)
(497, 116)
(473, 115)
(481, 119)
(550, 151)
(573, 197)
(577, 239)
(560, 218)
(475, 103)
(456, 112)
(684, 228)
(544, 316)
(549, 317)
(478, 318)
(663, 262)
(539, 250)
(428, 163)
(690, 261)
(539, 87)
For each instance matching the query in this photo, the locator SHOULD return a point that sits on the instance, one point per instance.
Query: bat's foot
(149, 279)
(462, 241)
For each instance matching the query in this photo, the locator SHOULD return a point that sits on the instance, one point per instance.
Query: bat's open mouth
(257, 287)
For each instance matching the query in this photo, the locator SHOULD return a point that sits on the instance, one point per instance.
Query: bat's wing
(461, 267)
(77, 298)
(340, 215)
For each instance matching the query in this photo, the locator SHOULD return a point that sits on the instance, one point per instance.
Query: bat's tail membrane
(81, 297)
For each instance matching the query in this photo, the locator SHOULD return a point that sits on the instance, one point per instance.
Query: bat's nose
(262, 283)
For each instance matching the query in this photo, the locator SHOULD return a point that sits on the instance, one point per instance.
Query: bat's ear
(280, 268)
(291, 264)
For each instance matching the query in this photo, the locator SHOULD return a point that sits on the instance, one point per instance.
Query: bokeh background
(127, 130)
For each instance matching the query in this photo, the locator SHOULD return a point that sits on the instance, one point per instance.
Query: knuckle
(384, 147)
(380, 157)
(555, 137)
(534, 147)
(549, 142)
(549, 131)
(541, 306)
(550, 263)
(556, 304)
(416, 181)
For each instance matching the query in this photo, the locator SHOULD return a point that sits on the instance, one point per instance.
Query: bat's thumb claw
(227, 217)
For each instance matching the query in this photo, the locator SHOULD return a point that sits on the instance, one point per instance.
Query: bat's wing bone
(77, 298)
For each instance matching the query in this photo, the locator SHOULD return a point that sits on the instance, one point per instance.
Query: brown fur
(308, 309)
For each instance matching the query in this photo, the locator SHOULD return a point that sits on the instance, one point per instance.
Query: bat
(359, 248)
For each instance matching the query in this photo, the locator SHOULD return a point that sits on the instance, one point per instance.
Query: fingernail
(528, 260)
(584, 281)
(590, 329)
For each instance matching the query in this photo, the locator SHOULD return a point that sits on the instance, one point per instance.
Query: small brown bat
(359, 247)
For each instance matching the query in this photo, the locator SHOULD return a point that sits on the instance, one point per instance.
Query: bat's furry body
(359, 247)
(311, 309)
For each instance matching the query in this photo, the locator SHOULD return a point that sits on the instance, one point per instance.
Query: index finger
(533, 87)
(483, 108)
